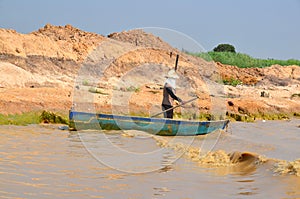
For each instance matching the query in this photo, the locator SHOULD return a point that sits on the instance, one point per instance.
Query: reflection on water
(44, 162)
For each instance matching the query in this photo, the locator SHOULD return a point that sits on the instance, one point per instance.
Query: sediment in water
(286, 167)
(234, 161)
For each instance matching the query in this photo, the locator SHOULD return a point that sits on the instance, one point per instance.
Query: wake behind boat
(157, 126)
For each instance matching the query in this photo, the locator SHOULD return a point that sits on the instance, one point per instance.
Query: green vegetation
(85, 83)
(273, 116)
(243, 60)
(296, 114)
(20, 119)
(232, 82)
(32, 118)
(97, 90)
(260, 116)
(133, 89)
(230, 116)
(199, 116)
(50, 117)
(240, 117)
(295, 95)
(224, 48)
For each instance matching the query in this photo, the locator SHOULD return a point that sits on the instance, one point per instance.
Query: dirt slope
(37, 71)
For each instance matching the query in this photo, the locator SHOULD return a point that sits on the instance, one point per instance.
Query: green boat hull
(157, 126)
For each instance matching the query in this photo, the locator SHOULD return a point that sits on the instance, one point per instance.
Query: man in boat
(169, 94)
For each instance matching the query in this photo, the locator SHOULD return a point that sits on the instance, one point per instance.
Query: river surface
(249, 160)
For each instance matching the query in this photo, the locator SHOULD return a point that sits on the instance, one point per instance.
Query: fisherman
(169, 94)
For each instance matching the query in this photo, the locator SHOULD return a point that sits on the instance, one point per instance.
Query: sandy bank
(38, 71)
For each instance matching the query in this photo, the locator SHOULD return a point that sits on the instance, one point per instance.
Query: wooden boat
(157, 126)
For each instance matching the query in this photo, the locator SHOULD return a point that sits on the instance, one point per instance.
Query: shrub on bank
(224, 48)
(50, 117)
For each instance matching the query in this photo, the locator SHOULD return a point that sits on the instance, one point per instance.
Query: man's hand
(182, 104)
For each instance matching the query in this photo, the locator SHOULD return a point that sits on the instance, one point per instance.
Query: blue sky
(260, 28)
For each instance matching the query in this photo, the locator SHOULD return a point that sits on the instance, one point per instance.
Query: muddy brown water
(250, 160)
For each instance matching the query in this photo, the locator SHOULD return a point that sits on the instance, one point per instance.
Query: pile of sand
(16, 77)
(138, 37)
(51, 41)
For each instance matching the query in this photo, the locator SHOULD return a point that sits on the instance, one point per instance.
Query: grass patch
(97, 90)
(85, 83)
(275, 116)
(296, 114)
(20, 119)
(260, 116)
(243, 60)
(240, 117)
(133, 89)
(198, 117)
(32, 118)
(232, 82)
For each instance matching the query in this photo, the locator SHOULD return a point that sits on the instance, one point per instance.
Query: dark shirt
(169, 95)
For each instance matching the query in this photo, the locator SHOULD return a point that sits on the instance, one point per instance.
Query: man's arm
(171, 93)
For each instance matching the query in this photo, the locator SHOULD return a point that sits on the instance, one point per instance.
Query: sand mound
(51, 41)
(13, 76)
(140, 38)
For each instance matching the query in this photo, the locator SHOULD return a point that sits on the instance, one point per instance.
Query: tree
(224, 48)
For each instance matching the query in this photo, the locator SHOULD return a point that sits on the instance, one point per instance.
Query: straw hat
(172, 74)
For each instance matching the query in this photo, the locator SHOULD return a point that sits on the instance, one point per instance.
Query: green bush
(50, 117)
(224, 48)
